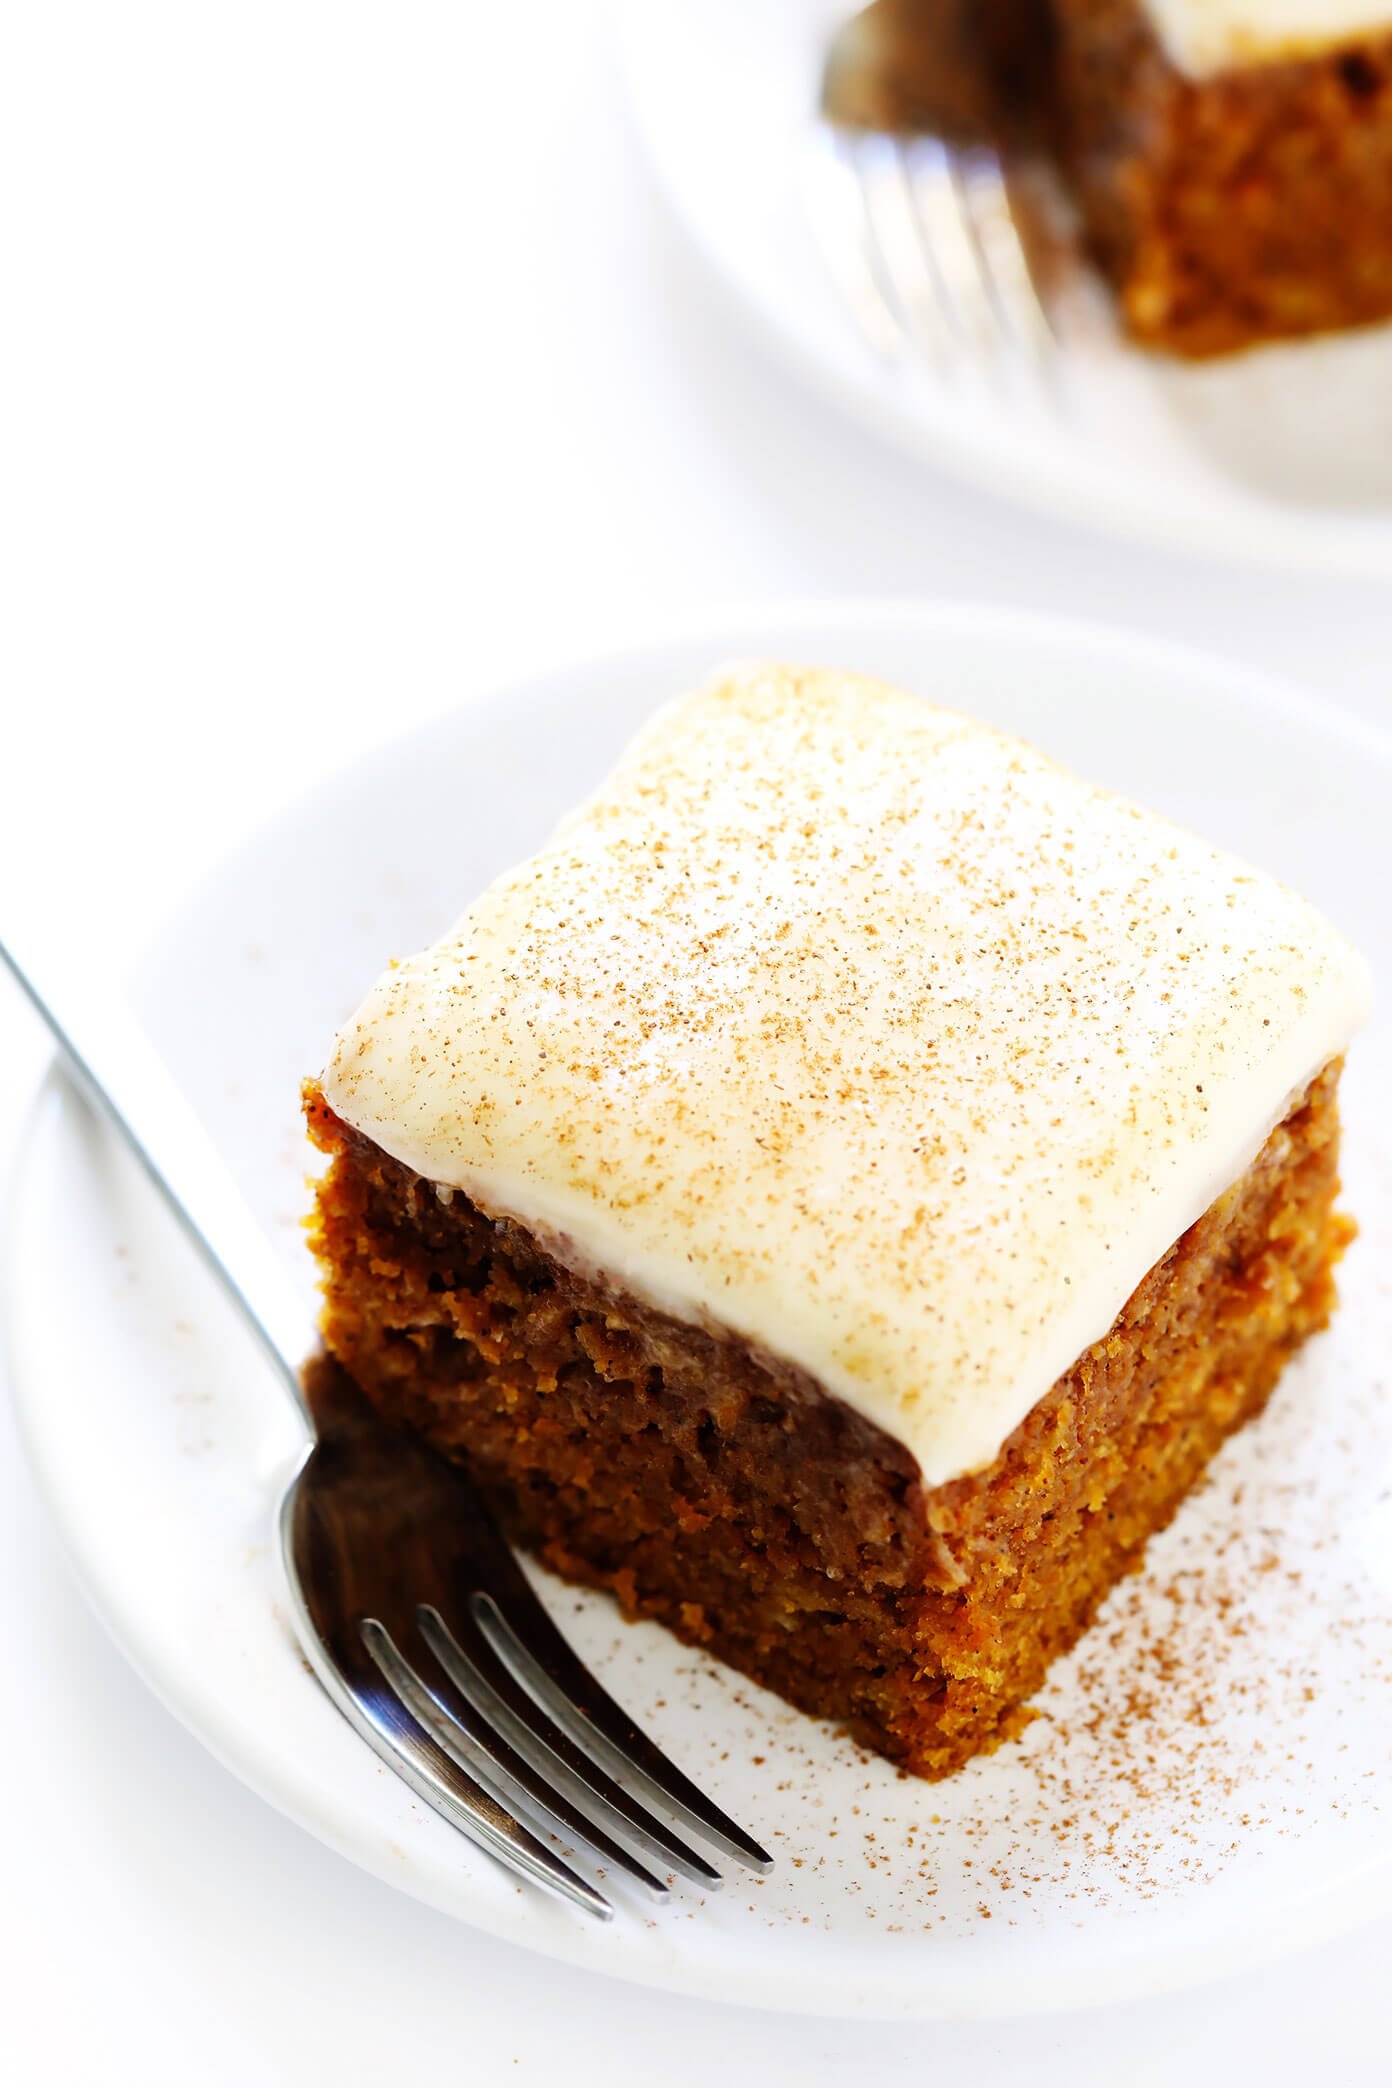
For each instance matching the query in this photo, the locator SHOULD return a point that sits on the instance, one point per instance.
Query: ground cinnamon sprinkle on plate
(1233, 1701)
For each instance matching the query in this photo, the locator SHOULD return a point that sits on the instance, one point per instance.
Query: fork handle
(116, 1067)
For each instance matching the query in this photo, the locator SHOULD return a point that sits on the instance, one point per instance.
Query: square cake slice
(1233, 162)
(841, 1191)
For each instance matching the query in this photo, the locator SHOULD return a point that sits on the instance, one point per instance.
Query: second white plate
(1283, 455)
(1209, 1778)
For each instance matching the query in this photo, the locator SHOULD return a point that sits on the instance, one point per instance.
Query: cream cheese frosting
(1207, 36)
(847, 1024)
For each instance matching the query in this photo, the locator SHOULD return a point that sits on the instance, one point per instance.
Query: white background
(348, 365)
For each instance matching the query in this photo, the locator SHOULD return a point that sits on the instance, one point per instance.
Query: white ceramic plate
(1209, 1780)
(1282, 455)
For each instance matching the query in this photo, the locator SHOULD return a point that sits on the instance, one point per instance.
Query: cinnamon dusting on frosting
(854, 1026)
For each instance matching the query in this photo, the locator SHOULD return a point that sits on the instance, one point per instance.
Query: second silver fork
(919, 228)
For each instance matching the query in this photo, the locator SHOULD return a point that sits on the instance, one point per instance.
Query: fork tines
(498, 1726)
(922, 238)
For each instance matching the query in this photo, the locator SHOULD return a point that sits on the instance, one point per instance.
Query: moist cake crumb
(754, 1514)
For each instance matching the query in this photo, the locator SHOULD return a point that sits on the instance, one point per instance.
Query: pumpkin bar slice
(1233, 162)
(842, 1190)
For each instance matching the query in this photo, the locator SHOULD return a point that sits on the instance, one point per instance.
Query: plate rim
(1322, 1912)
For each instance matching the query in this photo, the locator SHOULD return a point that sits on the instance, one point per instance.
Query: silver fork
(918, 227)
(410, 1608)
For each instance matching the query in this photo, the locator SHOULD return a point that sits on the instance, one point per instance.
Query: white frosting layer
(1205, 36)
(865, 1032)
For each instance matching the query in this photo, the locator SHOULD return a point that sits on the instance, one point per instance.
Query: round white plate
(1284, 454)
(1209, 1780)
